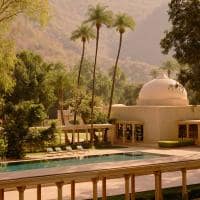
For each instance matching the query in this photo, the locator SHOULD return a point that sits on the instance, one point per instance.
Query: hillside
(140, 49)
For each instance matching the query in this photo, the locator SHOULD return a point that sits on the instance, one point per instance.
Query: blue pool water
(27, 165)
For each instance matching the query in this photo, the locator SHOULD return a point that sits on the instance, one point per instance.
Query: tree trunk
(78, 81)
(93, 86)
(61, 106)
(114, 77)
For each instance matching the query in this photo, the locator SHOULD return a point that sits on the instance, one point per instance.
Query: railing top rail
(84, 173)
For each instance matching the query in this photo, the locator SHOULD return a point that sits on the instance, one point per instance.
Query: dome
(163, 91)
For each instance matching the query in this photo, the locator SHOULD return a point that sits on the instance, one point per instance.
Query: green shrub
(175, 143)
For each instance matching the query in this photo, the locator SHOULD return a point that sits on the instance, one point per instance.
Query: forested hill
(140, 49)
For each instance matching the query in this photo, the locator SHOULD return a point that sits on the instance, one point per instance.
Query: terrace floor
(116, 186)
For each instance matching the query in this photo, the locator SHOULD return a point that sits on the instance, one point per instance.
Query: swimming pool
(79, 160)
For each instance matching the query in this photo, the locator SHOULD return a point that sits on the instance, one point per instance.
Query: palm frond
(99, 15)
(123, 21)
(83, 32)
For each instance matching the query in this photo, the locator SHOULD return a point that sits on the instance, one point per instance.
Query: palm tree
(60, 81)
(170, 66)
(85, 33)
(122, 21)
(97, 15)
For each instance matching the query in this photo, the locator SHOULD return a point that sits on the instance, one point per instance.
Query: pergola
(123, 123)
(86, 128)
(188, 123)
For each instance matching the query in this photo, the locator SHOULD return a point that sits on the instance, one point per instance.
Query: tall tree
(97, 15)
(62, 83)
(122, 21)
(85, 33)
(183, 39)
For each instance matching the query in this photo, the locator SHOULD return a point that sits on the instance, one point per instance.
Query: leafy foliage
(18, 120)
(37, 9)
(7, 61)
(184, 35)
(183, 39)
(31, 75)
(37, 138)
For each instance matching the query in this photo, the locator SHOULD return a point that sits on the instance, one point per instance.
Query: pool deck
(115, 186)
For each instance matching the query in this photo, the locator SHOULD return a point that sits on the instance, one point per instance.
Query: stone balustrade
(25, 179)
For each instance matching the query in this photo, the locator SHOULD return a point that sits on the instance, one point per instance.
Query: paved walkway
(116, 186)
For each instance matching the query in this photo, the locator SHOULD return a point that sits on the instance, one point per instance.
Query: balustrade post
(132, 187)
(104, 188)
(95, 195)
(59, 188)
(21, 190)
(1, 194)
(72, 190)
(39, 196)
(184, 185)
(127, 177)
(158, 185)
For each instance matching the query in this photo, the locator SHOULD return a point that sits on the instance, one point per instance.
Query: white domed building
(162, 113)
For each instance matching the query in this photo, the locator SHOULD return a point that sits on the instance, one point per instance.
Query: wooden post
(59, 188)
(184, 184)
(72, 190)
(21, 190)
(1, 194)
(158, 185)
(126, 177)
(95, 195)
(39, 196)
(104, 188)
(132, 187)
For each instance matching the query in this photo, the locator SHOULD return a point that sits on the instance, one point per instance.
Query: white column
(124, 128)
(187, 130)
(198, 137)
(133, 131)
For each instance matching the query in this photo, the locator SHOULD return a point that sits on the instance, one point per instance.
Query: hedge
(175, 143)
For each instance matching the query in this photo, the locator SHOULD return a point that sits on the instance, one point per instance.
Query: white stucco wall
(160, 122)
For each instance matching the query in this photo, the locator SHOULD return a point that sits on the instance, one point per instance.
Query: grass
(173, 193)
